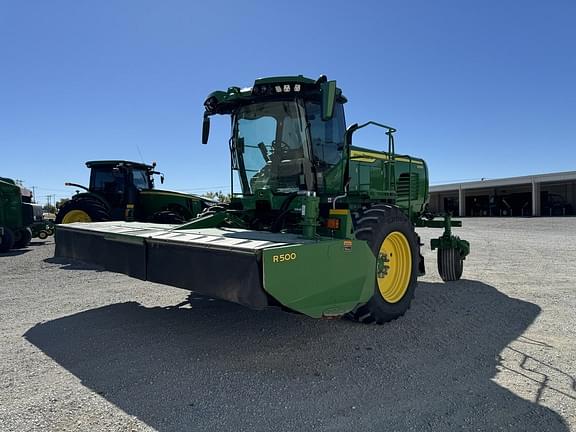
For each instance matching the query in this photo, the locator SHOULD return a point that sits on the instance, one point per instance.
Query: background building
(551, 194)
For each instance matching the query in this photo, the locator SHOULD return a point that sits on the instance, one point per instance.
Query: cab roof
(223, 102)
(113, 163)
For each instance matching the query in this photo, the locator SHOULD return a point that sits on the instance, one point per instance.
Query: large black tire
(374, 224)
(450, 264)
(168, 217)
(6, 240)
(92, 207)
(24, 238)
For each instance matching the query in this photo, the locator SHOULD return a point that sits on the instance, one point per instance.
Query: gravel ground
(86, 350)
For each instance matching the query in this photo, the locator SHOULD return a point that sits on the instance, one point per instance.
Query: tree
(219, 196)
(48, 208)
(61, 202)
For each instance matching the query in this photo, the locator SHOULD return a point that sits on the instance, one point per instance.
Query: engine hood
(165, 192)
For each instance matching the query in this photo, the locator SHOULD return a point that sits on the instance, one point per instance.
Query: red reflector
(333, 224)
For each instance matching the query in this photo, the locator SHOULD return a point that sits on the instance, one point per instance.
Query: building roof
(509, 181)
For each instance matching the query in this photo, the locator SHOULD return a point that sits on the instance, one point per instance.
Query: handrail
(390, 164)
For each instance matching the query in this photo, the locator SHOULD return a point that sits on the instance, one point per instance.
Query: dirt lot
(86, 350)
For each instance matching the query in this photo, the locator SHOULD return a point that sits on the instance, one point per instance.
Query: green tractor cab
(124, 190)
(321, 226)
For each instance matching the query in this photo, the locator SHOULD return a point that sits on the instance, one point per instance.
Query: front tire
(24, 239)
(393, 241)
(168, 217)
(6, 240)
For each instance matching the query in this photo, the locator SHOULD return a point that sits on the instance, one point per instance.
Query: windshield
(270, 148)
(140, 178)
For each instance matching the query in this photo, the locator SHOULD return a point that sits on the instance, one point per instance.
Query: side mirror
(162, 179)
(328, 91)
(205, 129)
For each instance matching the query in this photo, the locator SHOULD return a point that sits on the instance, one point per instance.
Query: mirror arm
(205, 128)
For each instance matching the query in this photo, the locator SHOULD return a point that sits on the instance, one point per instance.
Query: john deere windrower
(321, 226)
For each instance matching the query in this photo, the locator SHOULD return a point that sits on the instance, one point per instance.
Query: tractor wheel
(6, 240)
(24, 239)
(82, 210)
(168, 217)
(450, 264)
(43, 235)
(391, 237)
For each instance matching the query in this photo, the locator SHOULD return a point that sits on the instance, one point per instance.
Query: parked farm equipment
(124, 190)
(322, 227)
(16, 216)
(42, 229)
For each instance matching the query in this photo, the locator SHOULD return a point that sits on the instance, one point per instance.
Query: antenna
(140, 153)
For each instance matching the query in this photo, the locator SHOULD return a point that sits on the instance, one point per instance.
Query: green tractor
(321, 227)
(42, 229)
(124, 190)
(16, 216)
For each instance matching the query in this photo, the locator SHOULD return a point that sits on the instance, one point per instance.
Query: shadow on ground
(218, 366)
(67, 264)
(14, 252)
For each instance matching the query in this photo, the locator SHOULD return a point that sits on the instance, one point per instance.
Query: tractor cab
(287, 134)
(120, 182)
(285, 147)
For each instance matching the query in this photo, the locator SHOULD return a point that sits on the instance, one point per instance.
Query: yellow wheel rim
(394, 267)
(76, 216)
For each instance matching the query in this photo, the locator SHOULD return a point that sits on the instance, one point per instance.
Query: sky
(479, 89)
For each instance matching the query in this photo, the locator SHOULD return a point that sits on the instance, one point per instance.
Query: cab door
(110, 184)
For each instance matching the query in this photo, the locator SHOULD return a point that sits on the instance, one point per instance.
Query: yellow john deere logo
(291, 256)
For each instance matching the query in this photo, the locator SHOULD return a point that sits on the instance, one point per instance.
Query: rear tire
(450, 264)
(24, 239)
(168, 217)
(386, 228)
(94, 209)
(6, 240)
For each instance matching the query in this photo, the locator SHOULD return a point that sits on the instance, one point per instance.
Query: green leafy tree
(48, 208)
(61, 202)
(219, 196)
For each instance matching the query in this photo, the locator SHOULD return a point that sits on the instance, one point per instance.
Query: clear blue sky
(478, 89)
